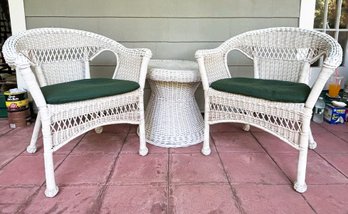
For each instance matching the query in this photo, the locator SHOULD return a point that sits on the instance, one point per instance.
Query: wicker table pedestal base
(172, 117)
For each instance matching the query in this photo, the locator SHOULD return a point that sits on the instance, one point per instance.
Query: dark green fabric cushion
(274, 90)
(86, 89)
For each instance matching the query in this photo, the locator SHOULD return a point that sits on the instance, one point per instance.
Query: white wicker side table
(172, 117)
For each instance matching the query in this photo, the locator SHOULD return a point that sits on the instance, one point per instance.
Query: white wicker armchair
(54, 62)
(281, 56)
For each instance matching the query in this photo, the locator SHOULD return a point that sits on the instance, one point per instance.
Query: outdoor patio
(247, 172)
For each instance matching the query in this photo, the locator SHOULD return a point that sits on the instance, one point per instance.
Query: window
(331, 17)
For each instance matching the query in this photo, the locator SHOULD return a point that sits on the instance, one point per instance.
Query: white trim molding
(18, 24)
(307, 13)
(17, 15)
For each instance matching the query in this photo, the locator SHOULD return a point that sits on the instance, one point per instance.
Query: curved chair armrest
(145, 56)
(23, 67)
(332, 60)
(9, 51)
(144, 65)
(334, 55)
(212, 65)
(22, 64)
(318, 85)
(133, 62)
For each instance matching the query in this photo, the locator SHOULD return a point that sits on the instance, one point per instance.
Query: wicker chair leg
(300, 184)
(98, 130)
(206, 147)
(311, 144)
(51, 187)
(246, 127)
(32, 146)
(143, 150)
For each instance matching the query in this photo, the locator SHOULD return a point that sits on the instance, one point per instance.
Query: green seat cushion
(274, 90)
(86, 89)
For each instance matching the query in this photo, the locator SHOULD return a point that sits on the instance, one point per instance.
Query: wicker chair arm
(332, 59)
(334, 55)
(10, 54)
(22, 64)
(23, 67)
(318, 85)
(133, 62)
(212, 65)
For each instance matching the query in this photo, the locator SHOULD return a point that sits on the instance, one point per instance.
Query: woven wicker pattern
(278, 54)
(54, 55)
(172, 116)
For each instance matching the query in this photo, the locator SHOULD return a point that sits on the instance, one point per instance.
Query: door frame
(18, 24)
(17, 15)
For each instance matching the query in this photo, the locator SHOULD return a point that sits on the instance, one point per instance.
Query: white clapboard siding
(164, 8)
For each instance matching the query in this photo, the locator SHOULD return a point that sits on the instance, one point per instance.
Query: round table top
(173, 71)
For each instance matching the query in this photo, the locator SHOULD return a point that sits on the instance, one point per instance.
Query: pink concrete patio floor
(247, 172)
